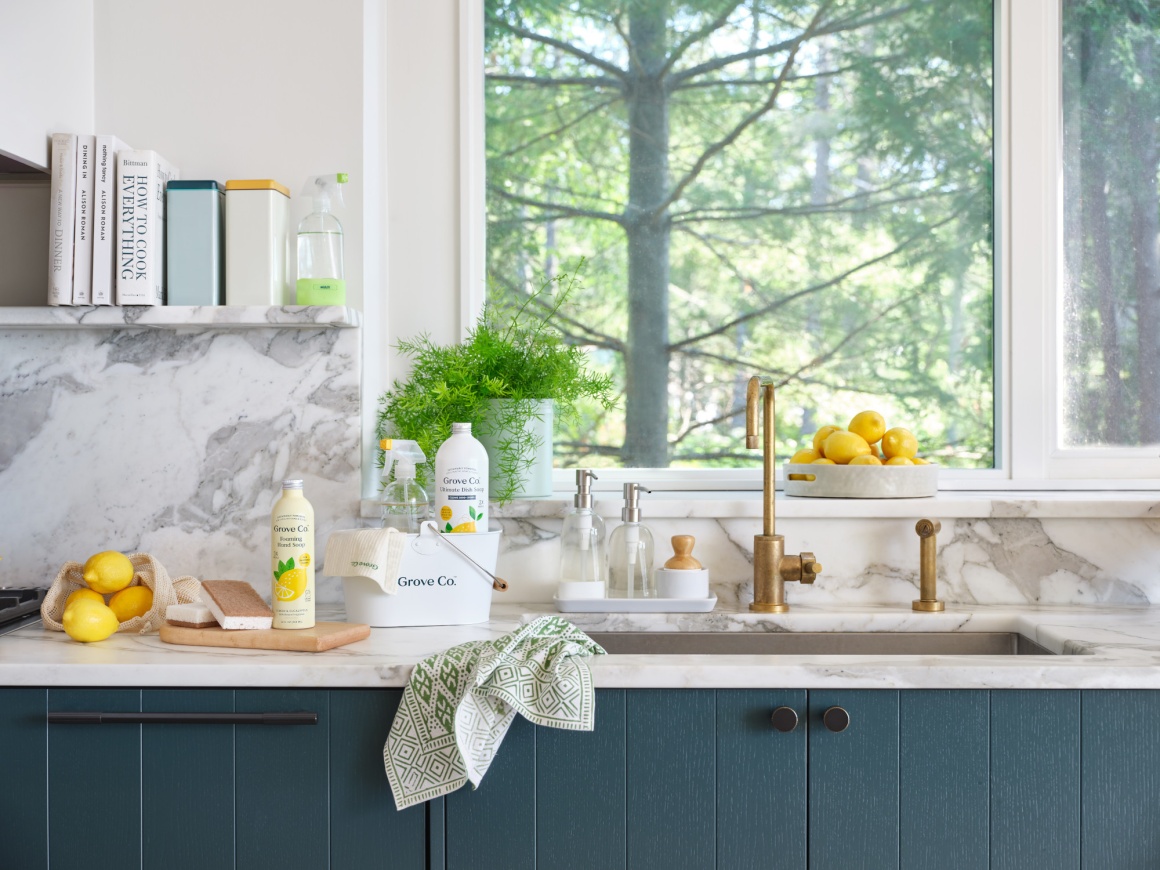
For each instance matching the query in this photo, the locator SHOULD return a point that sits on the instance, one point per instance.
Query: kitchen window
(1037, 442)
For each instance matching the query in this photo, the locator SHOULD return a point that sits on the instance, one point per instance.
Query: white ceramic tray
(636, 605)
(861, 481)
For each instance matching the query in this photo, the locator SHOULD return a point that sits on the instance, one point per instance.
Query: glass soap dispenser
(630, 551)
(583, 563)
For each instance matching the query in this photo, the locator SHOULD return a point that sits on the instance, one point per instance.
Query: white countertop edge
(1123, 645)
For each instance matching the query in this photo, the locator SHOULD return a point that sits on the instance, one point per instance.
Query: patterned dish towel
(459, 703)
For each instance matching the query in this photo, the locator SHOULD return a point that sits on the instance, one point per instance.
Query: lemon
(920, 461)
(866, 459)
(468, 526)
(806, 455)
(445, 512)
(109, 571)
(88, 621)
(899, 460)
(290, 584)
(842, 446)
(131, 601)
(84, 593)
(899, 442)
(869, 424)
(820, 437)
(823, 461)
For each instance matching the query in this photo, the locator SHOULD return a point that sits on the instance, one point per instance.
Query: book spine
(134, 169)
(62, 212)
(105, 218)
(166, 172)
(82, 292)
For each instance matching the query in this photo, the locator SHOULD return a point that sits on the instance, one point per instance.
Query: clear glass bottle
(630, 551)
(582, 541)
(320, 267)
(405, 505)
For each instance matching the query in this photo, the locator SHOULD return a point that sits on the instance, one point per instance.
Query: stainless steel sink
(820, 643)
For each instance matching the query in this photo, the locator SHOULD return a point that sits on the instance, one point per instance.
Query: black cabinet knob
(784, 719)
(836, 719)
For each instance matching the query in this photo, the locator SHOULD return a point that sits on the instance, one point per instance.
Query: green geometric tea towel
(459, 703)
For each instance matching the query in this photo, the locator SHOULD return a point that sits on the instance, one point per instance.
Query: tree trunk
(648, 235)
(1145, 235)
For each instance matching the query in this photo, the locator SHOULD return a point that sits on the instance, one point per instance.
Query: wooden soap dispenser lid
(682, 558)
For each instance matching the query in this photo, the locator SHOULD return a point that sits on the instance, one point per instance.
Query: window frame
(1028, 265)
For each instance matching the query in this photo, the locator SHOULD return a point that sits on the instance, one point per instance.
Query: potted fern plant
(509, 378)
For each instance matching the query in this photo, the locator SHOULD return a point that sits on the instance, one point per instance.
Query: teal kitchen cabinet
(179, 795)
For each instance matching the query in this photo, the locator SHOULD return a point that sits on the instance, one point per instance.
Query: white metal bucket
(437, 586)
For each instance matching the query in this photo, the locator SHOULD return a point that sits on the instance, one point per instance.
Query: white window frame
(1028, 268)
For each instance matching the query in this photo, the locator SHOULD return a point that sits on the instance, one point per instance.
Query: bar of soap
(236, 605)
(190, 615)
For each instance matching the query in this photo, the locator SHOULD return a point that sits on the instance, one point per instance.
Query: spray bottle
(320, 273)
(405, 503)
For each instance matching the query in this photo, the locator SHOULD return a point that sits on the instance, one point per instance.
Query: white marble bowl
(860, 481)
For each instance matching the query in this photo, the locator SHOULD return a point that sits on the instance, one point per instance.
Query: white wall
(46, 75)
(240, 89)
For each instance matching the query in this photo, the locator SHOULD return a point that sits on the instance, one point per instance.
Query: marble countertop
(1105, 648)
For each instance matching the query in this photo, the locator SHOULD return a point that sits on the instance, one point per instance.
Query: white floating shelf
(177, 316)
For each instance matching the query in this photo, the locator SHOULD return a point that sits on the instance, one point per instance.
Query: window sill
(946, 505)
(177, 316)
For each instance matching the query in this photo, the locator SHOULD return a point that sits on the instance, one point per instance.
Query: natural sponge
(235, 604)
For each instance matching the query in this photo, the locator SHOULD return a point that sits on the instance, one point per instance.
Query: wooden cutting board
(324, 636)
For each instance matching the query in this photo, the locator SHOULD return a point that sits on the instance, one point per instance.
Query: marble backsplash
(173, 439)
(989, 560)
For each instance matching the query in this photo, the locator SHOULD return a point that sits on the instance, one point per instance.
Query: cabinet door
(187, 782)
(365, 828)
(495, 825)
(1035, 770)
(853, 781)
(24, 795)
(671, 778)
(94, 783)
(943, 788)
(580, 791)
(1121, 780)
(761, 781)
(282, 783)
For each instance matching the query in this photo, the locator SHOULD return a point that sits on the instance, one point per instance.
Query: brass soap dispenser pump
(630, 551)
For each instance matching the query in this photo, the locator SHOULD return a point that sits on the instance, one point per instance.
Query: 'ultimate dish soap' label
(461, 482)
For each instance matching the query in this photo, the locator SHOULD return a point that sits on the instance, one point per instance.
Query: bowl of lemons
(867, 459)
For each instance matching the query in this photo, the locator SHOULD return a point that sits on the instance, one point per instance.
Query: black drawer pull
(182, 718)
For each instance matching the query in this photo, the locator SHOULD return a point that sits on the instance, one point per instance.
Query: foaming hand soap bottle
(630, 551)
(583, 563)
(292, 557)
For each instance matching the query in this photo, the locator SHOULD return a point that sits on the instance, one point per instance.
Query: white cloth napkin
(373, 553)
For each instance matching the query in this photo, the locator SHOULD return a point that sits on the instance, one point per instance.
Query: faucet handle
(810, 568)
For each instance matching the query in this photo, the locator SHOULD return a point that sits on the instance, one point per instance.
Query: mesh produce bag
(147, 571)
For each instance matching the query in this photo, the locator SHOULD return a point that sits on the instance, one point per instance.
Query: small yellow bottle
(292, 558)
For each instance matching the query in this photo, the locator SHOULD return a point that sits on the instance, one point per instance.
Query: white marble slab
(1115, 648)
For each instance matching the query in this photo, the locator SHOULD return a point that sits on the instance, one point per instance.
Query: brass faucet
(927, 531)
(772, 569)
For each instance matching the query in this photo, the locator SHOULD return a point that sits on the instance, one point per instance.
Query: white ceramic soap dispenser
(630, 551)
(583, 563)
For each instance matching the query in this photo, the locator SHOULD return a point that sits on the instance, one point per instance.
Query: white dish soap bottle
(630, 551)
(320, 268)
(583, 562)
(461, 482)
(292, 558)
(405, 504)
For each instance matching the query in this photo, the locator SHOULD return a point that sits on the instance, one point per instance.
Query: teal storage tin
(195, 243)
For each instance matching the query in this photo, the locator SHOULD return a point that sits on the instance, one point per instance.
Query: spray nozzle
(325, 189)
(404, 455)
